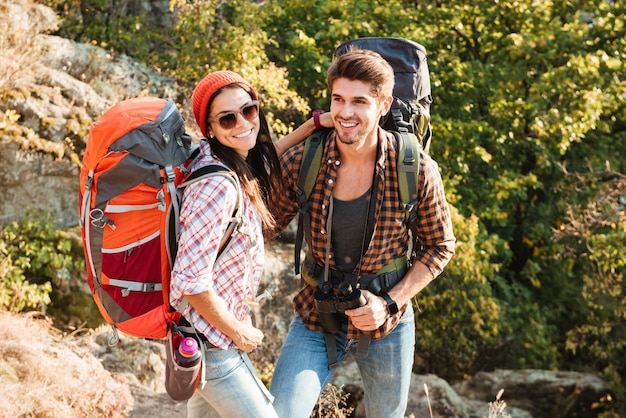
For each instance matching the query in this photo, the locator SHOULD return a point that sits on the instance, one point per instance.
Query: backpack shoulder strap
(309, 169)
(212, 170)
(174, 217)
(408, 178)
(408, 167)
(311, 161)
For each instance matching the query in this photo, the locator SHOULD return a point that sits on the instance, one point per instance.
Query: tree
(215, 35)
(526, 86)
(591, 239)
(305, 33)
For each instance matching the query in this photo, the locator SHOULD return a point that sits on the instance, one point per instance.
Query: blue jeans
(232, 388)
(302, 370)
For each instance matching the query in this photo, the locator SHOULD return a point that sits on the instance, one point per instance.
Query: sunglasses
(229, 120)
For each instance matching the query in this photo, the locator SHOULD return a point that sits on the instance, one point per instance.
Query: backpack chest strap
(129, 286)
(386, 278)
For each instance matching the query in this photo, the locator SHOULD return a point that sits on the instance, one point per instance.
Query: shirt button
(330, 181)
(322, 231)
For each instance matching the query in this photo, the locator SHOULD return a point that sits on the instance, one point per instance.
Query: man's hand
(370, 316)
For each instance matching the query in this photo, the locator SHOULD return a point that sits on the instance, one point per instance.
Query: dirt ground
(149, 404)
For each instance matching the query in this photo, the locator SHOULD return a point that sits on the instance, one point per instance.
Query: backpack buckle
(170, 176)
(100, 220)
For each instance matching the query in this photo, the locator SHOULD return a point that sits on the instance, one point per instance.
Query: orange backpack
(134, 171)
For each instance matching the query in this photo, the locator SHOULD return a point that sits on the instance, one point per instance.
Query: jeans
(302, 370)
(232, 388)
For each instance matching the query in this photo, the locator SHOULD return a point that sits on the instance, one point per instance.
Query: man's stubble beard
(351, 138)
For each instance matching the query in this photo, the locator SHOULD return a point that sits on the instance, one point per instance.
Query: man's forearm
(413, 282)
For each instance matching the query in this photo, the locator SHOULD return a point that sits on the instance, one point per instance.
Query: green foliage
(216, 35)
(118, 25)
(206, 32)
(520, 90)
(472, 319)
(460, 303)
(305, 34)
(16, 293)
(591, 238)
(35, 258)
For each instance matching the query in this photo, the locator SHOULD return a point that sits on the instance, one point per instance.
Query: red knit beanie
(207, 88)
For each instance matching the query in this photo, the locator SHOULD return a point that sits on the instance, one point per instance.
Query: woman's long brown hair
(259, 173)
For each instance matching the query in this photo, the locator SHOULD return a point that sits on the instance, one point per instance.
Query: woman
(219, 290)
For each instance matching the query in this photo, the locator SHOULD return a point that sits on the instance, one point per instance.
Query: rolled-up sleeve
(288, 201)
(434, 223)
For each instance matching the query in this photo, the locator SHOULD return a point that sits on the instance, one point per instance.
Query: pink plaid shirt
(206, 210)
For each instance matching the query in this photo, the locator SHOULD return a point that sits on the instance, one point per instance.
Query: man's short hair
(363, 65)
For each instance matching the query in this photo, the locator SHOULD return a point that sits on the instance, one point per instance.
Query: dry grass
(332, 404)
(43, 374)
(496, 408)
(20, 21)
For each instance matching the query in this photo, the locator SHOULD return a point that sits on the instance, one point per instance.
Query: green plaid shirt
(390, 239)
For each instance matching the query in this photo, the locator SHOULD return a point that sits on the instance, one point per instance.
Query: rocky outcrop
(542, 393)
(59, 89)
(37, 180)
(525, 394)
(74, 85)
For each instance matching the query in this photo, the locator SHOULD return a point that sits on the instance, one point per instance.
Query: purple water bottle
(188, 354)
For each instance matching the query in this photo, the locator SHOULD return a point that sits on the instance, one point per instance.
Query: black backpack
(408, 120)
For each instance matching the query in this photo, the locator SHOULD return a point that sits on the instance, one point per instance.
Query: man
(356, 229)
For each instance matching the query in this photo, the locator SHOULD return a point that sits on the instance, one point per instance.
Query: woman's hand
(326, 120)
(245, 335)
(302, 132)
(248, 337)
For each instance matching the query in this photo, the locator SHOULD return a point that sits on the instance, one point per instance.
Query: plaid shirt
(390, 239)
(206, 210)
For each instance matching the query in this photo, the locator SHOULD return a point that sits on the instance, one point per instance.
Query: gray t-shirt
(348, 228)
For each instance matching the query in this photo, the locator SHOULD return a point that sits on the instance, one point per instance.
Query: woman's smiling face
(243, 136)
